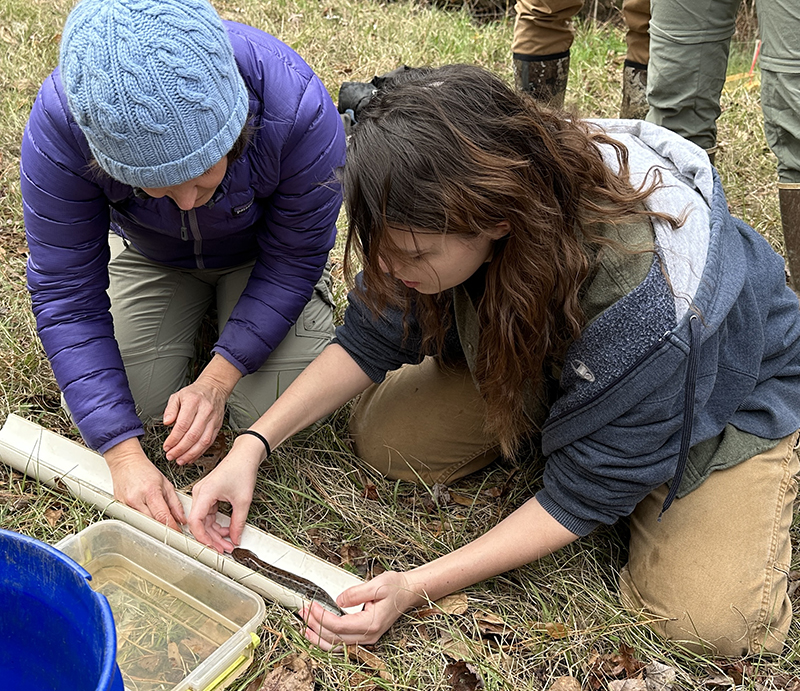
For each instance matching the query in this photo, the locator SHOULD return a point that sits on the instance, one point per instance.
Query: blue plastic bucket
(56, 633)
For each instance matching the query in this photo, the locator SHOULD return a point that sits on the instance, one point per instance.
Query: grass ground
(521, 630)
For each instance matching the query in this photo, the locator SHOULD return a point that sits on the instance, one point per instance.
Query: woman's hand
(385, 598)
(525, 536)
(233, 481)
(142, 486)
(196, 411)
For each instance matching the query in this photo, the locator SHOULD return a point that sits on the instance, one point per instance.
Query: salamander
(302, 586)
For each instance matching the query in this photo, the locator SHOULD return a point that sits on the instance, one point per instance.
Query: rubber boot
(789, 198)
(634, 91)
(543, 77)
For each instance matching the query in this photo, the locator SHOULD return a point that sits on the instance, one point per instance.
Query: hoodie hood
(686, 193)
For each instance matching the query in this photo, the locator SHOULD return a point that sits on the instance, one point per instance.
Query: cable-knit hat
(154, 86)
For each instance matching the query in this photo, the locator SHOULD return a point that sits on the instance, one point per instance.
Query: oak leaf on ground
(295, 673)
(463, 676)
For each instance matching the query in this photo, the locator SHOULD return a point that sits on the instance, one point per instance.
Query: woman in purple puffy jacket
(173, 162)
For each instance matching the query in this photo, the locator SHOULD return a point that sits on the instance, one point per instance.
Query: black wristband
(261, 437)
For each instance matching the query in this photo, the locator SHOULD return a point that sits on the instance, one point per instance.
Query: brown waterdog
(302, 586)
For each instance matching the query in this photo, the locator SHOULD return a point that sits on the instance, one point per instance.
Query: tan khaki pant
(157, 312)
(715, 568)
(544, 27)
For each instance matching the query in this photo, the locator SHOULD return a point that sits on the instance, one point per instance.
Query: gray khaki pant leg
(157, 312)
(255, 393)
(779, 26)
(689, 44)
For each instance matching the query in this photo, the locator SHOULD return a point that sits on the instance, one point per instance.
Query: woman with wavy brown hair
(578, 284)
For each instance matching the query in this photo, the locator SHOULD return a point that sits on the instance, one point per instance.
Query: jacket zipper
(184, 232)
(198, 239)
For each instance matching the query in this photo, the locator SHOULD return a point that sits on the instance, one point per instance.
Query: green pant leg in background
(779, 28)
(689, 44)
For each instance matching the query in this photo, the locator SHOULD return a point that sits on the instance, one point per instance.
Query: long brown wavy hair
(455, 150)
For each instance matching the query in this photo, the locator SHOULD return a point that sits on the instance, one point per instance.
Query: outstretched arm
(331, 380)
(525, 536)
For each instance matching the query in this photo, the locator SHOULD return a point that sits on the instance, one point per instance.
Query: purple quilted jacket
(278, 203)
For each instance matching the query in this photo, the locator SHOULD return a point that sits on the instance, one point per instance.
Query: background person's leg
(689, 43)
(542, 38)
(779, 27)
(157, 312)
(636, 14)
(715, 568)
(306, 339)
(424, 423)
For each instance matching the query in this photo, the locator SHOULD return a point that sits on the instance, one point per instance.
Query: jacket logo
(582, 370)
(239, 210)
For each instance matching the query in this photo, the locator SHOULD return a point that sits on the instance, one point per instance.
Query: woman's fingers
(196, 415)
(159, 509)
(329, 630)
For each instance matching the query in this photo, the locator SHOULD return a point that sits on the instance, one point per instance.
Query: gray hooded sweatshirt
(707, 343)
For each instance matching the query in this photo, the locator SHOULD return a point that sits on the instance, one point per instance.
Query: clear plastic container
(181, 626)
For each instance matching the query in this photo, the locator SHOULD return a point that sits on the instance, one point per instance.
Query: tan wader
(715, 568)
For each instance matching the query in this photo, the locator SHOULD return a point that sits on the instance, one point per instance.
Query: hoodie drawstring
(688, 410)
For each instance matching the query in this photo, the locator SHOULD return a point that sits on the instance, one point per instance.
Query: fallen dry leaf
(371, 492)
(717, 679)
(370, 659)
(255, 685)
(786, 683)
(556, 629)
(565, 684)
(294, 674)
(455, 649)
(208, 461)
(628, 659)
(490, 624)
(376, 569)
(174, 655)
(463, 676)
(53, 516)
(501, 490)
(438, 498)
(353, 555)
(627, 685)
(659, 677)
(362, 682)
(464, 500)
(450, 604)
(622, 664)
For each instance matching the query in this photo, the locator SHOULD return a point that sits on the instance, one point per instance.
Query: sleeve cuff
(375, 373)
(572, 523)
(120, 438)
(238, 365)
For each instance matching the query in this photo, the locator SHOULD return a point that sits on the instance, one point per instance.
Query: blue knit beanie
(154, 86)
